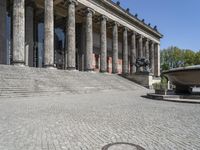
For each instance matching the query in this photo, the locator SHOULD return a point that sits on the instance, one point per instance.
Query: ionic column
(71, 36)
(30, 32)
(103, 57)
(3, 47)
(152, 56)
(133, 53)
(157, 60)
(49, 34)
(115, 48)
(147, 49)
(89, 41)
(125, 52)
(18, 32)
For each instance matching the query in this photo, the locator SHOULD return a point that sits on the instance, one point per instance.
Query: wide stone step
(26, 81)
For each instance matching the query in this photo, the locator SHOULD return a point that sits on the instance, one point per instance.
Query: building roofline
(131, 16)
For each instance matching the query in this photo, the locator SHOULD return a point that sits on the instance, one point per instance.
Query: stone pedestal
(144, 79)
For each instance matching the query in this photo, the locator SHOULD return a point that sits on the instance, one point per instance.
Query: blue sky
(177, 20)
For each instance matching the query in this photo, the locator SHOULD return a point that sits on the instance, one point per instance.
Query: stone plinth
(144, 79)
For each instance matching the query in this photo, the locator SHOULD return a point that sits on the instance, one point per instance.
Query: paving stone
(91, 121)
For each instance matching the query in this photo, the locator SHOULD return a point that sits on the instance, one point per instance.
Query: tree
(174, 57)
(197, 58)
(171, 57)
(189, 57)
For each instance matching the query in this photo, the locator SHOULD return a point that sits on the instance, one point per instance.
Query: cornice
(132, 17)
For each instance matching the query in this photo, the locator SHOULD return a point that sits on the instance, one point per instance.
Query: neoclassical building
(82, 35)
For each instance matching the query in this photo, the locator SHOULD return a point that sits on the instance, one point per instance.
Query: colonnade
(140, 46)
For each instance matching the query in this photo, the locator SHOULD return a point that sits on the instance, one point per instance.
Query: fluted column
(152, 57)
(157, 60)
(49, 34)
(18, 32)
(71, 36)
(89, 40)
(133, 53)
(115, 48)
(30, 32)
(125, 52)
(103, 57)
(3, 50)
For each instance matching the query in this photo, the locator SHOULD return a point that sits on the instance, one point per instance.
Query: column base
(49, 66)
(19, 63)
(89, 70)
(125, 74)
(103, 71)
(115, 73)
(71, 68)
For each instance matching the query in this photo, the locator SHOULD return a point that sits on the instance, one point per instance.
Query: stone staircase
(26, 81)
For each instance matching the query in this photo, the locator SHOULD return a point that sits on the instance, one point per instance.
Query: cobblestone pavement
(91, 121)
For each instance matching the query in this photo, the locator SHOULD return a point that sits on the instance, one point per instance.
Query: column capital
(89, 11)
(103, 18)
(67, 2)
(125, 29)
(30, 3)
(134, 33)
(146, 39)
(151, 42)
(115, 23)
(157, 43)
(140, 36)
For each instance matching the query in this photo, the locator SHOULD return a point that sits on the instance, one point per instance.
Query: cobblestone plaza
(91, 121)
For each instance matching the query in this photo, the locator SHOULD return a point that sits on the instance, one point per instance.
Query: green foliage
(163, 85)
(197, 58)
(164, 80)
(174, 57)
(165, 66)
(160, 86)
(189, 57)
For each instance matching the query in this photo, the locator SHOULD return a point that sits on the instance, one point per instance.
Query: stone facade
(82, 35)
